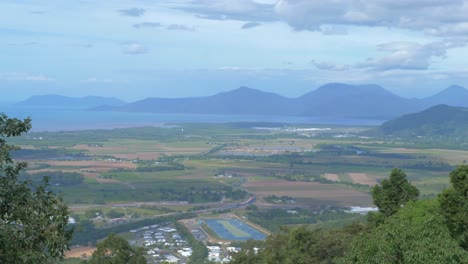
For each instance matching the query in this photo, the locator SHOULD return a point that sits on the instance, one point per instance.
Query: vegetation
(200, 252)
(454, 205)
(409, 231)
(116, 250)
(32, 221)
(394, 193)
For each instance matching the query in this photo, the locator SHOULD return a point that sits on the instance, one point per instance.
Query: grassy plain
(334, 166)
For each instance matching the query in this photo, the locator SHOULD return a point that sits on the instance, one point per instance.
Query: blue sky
(134, 49)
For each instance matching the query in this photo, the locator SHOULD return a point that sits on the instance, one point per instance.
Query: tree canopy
(403, 231)
(392, 194)
(415, 234)
(454, 205)
(116, 250)
(33, 221)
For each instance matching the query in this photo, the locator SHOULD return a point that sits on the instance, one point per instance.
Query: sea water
(63, 119)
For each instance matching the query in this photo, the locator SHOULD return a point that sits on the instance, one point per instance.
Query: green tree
(454, 205)
(33, 221)
(300, 246)
(415, 234)
(116, 250)
(115, 214)
(394, 193)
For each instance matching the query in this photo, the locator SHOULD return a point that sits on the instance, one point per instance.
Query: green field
(168, 164)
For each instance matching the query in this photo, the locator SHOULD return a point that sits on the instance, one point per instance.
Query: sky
(133, 49)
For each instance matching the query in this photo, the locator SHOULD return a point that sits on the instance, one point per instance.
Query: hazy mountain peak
(54, 100)
(455, 88)
(454, 95)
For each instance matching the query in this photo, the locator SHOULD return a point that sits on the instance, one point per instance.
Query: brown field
(313, 190)
(362, 178)
(89, 168)
(454, 157)
(332, 177)
(134, 149)
(79, 251)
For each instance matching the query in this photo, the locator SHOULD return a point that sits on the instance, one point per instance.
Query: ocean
(59, 119)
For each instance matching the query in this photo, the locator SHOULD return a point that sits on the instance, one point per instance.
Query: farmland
(273, 177)
(200, 163)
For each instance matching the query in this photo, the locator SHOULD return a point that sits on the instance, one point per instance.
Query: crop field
(335, 194)
(363, 178)
(197, 164)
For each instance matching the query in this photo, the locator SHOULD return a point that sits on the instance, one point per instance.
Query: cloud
(29, 43)
(333, 30)
(441, 17)
(179, 27)
(134, 48)
(250, 25)
(328, 66)
(406, 56)
(168, 27)
(17, 76)
(134, 12)
(242, 10)
(148, 25)
(38, 12)
(101, 80)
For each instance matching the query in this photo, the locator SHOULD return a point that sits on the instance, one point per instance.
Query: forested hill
(440, 120)
(53, 100)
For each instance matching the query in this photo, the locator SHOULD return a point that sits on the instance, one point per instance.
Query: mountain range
(52, 100)
(439, 120)
(334, 100)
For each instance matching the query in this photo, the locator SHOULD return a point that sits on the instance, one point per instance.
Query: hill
(242, 101)
(454, 96)
(358, 101)
(440, 120)
(70, 102)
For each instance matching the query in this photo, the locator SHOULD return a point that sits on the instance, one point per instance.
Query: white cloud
(437, 16)
(100, 80)
(180, 27)
(17, 76)
(406, 55)
(134, 12)
(328, 66)
(148, 25)
(134, 48)
(243, 10)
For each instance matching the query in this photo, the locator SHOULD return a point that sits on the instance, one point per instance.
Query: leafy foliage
(416, 234)
(394, 193)
(33, 222)
(116, 250)
(454, 205)
(300, 246)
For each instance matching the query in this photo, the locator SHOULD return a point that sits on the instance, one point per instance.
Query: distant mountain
(454, 95)
(331, 100)
(70, 102)
(241, 101)
(440, 120)
(359, 101)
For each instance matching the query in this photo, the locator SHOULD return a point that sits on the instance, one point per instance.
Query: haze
(141, 48)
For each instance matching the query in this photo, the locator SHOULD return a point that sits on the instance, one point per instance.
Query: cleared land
(332, 177)
(362, 178)
(79, 252)
(309, 190)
